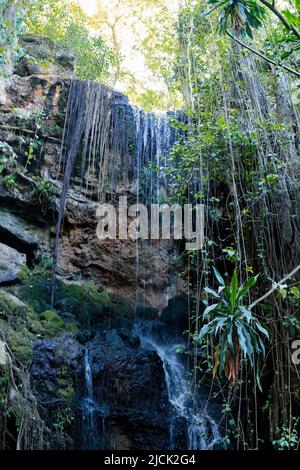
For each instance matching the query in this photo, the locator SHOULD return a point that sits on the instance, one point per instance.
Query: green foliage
(53, 323)
(288, 437)
(19, 325)
(8, 156)
(63, 419)
(66, 23)
(9, 167)
(243, 15)
(9, 181)
(44, 191)
(281, 42)
(233, 327)
(41, 269)
(12, 16)
(207, 146)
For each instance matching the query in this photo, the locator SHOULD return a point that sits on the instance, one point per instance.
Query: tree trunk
(9, 43)
(9, 37)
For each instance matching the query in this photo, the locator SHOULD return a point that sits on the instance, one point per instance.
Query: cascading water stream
(88, 406)
(202, 430)
(93, 415)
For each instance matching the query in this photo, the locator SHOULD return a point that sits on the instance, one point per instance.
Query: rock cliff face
(33, 125)
(128, 407)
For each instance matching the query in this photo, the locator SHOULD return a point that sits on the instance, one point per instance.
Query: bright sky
(88, 5)
(132, 59)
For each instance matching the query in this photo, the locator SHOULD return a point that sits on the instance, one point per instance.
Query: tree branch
(276, 12)
(274, 287)
(262, 56)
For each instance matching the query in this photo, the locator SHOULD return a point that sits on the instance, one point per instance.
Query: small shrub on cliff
(44, 192)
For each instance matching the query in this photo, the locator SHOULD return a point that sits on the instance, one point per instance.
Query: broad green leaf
(244, 289)
(234, 289)
(212, 292)
(219, 277)
(203, 332)
(229, 337)
(247, 314)
(242, 339)
(262, 329)
(258, 377)
(248, 338)
(209, 309)
(291, 17)
(294, 290)
(262, 346)
(220, 324)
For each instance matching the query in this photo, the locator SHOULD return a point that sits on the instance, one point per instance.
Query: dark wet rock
(17, 233)
(54, 360)
(128, 385)
(11, 264)
(129, 381)
(175, 316)
(54, 372)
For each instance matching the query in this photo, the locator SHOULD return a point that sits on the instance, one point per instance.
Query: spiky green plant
(235, 330)
(243, 15)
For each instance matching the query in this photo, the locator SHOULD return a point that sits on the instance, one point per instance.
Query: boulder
(45, 57)
(11, 264)
(17, 233)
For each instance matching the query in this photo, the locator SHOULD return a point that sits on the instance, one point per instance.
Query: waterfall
(88, 378)
(93, 415)
(110, 146)
(88, 407)
(202, 432)
(108, 142)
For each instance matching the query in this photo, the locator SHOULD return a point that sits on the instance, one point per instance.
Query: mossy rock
(52, 323)
(19, 326)
(82, 304)
(72, 328)
(66, 385)
(19, 314)
(89, 305)
(21, 344)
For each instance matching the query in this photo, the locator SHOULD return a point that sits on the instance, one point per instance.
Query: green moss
(72, 328)
(83, 305)
(52, 323)
(20, 343)
(66, 385)
(19, 326)
(24, 274)
(67, 393)
(18, 314)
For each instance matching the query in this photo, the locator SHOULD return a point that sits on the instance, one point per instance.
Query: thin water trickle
(93, 415)
(88, 406)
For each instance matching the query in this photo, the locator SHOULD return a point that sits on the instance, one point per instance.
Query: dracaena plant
(235, 331)
(243, 15)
